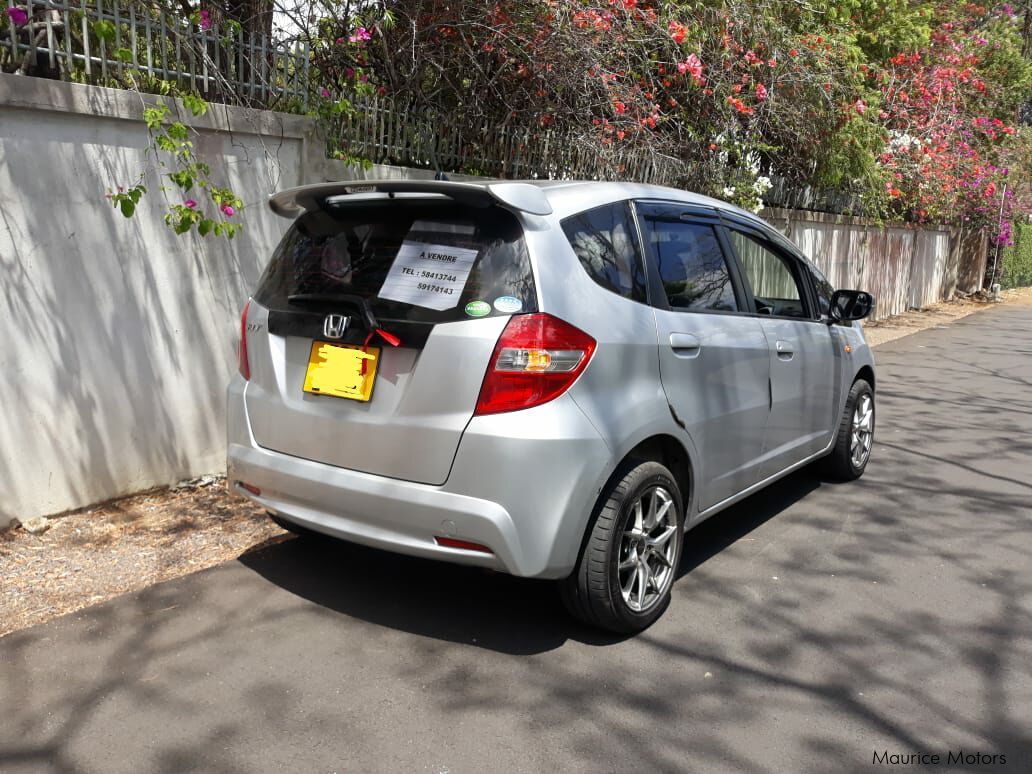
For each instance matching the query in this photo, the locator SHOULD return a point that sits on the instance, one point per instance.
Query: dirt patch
(900, 325)
(92, 555)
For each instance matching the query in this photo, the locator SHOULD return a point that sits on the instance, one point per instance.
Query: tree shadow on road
(463, 604)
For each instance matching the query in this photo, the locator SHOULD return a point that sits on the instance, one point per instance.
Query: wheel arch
(867, 374)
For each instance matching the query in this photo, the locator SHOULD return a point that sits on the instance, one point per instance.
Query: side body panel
(718, 388)
(803, 364)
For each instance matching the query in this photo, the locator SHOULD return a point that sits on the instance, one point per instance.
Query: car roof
(535, 197)
(571, 193)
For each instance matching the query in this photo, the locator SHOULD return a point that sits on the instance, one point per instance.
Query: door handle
(685, 344)
(784, 349)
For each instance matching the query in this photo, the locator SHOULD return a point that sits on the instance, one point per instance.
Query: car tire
(845, 463)
(627, 566)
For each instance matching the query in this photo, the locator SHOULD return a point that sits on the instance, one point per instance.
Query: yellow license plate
(337, 370)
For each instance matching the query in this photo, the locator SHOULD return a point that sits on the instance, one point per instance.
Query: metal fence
(124, 43)
(384, 132)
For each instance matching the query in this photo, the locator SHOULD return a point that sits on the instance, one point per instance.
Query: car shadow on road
(463, 604)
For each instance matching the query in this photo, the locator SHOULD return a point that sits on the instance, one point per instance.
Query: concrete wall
(119, 337)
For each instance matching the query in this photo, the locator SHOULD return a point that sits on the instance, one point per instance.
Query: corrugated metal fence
(904, 267)
(114, 42)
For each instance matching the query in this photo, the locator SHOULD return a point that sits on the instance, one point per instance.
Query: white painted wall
(118, 336)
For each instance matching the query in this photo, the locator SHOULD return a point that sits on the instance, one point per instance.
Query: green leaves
(194, 104)
(104, 30)
(187, 173)
(126, 200)
(154, 116)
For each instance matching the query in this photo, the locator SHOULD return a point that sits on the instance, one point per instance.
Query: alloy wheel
(862, 431)
(648, 549)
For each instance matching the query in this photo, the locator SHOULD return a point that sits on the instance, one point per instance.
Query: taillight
(536, 359)
(244, 364)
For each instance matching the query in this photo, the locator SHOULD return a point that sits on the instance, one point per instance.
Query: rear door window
(692, 268)
(606, 244)
(413, 261)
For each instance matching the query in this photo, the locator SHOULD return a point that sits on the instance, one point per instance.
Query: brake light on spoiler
(537, 358)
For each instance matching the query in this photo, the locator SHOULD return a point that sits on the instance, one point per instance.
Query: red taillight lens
(537, 358)
(244, 364)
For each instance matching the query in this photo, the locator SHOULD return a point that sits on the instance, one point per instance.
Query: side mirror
(850, 305)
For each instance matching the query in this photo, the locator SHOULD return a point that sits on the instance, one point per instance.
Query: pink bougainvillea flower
(227, 210)
(339, 41)
(17, 16)
(324, 93)
(361, 34)
(761, 92)
(860, 106)
(205, 22)
(190, 204)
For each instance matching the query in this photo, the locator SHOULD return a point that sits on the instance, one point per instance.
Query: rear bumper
(521, 485)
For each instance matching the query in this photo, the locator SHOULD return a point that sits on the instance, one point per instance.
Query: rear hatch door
(440, 277)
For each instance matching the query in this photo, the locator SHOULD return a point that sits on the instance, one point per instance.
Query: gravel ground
(101, 552)
(98, 553)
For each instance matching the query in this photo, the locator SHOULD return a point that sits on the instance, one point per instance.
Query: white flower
(728, 191)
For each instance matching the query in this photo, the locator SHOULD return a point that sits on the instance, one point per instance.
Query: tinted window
(823, 287)
(473, 258)
(691, 265)
(776, 290)
(605, 242)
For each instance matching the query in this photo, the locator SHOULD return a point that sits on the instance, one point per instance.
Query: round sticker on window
(478, 308)
(508, 304)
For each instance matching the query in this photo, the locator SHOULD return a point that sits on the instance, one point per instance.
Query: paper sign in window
(428, 275)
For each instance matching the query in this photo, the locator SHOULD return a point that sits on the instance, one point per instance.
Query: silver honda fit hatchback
(550, 379)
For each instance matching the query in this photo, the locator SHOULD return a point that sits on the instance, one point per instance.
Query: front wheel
(627, 566)
(852, 450)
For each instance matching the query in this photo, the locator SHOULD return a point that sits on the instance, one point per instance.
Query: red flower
(678, 32)
(740, 106)
(761, 92)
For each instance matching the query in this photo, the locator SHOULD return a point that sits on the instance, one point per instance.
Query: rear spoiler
(522, 197)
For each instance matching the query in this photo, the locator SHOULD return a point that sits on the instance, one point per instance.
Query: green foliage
(104, 30)
(1017, 259)
(126, 200)
(186, 172)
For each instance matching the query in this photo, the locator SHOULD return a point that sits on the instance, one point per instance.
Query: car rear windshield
(415, 261)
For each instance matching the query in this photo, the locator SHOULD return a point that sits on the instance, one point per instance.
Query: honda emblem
(334, 325)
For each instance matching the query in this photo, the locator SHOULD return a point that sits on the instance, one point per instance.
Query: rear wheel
(627, 566)
(852, 450)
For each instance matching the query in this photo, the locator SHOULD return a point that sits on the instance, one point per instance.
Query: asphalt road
(812, 625)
